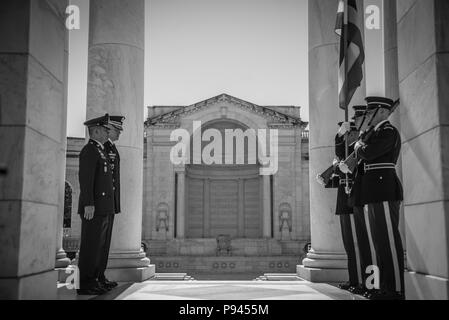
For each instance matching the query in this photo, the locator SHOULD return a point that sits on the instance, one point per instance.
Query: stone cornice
(164, 125)
(277, 118)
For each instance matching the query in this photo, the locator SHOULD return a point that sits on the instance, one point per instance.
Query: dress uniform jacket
(114, 156)
(96, 181)
(343, 206)
(355, 196)
(381, 185)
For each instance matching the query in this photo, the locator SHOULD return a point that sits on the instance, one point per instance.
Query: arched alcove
(224, 198)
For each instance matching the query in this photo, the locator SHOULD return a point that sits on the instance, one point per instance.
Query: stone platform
(234, 290)
(217, 290)
(239, 247)
(225, 264)
(200, 256)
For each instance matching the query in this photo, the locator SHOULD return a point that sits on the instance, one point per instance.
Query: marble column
(62, 261)
(266, 206)
(327, 261)
(115, 86)
(206, 211)
(392, 83)
(32, 137)
(180, 203)
(423, 46)
(241, 208)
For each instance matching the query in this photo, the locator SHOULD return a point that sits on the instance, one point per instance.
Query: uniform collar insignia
(379, 125)
(98, 143)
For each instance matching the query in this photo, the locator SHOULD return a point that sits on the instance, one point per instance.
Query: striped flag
(352, 54)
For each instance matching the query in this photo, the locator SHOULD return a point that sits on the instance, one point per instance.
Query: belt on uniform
(344, 181)
(379, 166)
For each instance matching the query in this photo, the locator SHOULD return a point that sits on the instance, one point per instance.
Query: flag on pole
(352, 54)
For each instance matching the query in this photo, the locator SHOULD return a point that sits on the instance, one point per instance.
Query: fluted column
(266, 206)
(115, 86)
(180, 205)
(327, 260)
(62, 261)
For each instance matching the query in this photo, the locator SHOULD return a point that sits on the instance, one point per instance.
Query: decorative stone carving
(271, 115)
(162, 216)
(224, 244)
(285, 217)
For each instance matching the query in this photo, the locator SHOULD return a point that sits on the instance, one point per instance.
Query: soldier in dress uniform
(367, 254)
(96, 204)
(381, 194)
(115, 129)
(350, 131)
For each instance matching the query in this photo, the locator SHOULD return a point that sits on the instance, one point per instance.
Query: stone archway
(224, 199)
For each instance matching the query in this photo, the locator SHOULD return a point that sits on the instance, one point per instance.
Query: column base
(129, 267)
(323, 268)
(420, 286)
(61, 259)
(131, 274)
(40, 286)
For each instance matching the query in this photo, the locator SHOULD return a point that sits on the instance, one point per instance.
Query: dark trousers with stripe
(104, 249)
(352, 251)
(384, 223)
(365, 242)
(93, 235)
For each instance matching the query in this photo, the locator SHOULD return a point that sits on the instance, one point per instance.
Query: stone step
(278, 277)
(226, 264)
(173, 277)
(238, 247)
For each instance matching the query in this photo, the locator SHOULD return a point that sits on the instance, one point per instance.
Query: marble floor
(219, 290)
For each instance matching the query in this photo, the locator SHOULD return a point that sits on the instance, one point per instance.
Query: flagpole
(346, 102)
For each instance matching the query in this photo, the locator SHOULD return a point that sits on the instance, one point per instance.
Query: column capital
(180, 169)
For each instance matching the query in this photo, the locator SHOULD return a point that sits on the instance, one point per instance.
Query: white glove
(359, 145)
(344, 168)
(320, 180)
(335, 162)
(345, 127)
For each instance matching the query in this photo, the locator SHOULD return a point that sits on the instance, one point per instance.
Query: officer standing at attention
(96, 203)
(363, 231)
(115, 129)
(350, 131)
(381, 194)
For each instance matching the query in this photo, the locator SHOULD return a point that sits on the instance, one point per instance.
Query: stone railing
(71, 244)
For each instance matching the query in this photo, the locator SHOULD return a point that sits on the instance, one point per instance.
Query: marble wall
(32, 136)
(288, 186)
(423, 43)
(160, 183)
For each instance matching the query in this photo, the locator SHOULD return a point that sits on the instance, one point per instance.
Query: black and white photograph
(225, 156)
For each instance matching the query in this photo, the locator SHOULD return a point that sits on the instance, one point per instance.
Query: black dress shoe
(384, 295)
(367, 293)
(108, 284)
(345, 286)
(359, 290)
(94, 291)
(104, 287)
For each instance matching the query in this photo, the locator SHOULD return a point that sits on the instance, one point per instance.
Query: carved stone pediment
(274, 118)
